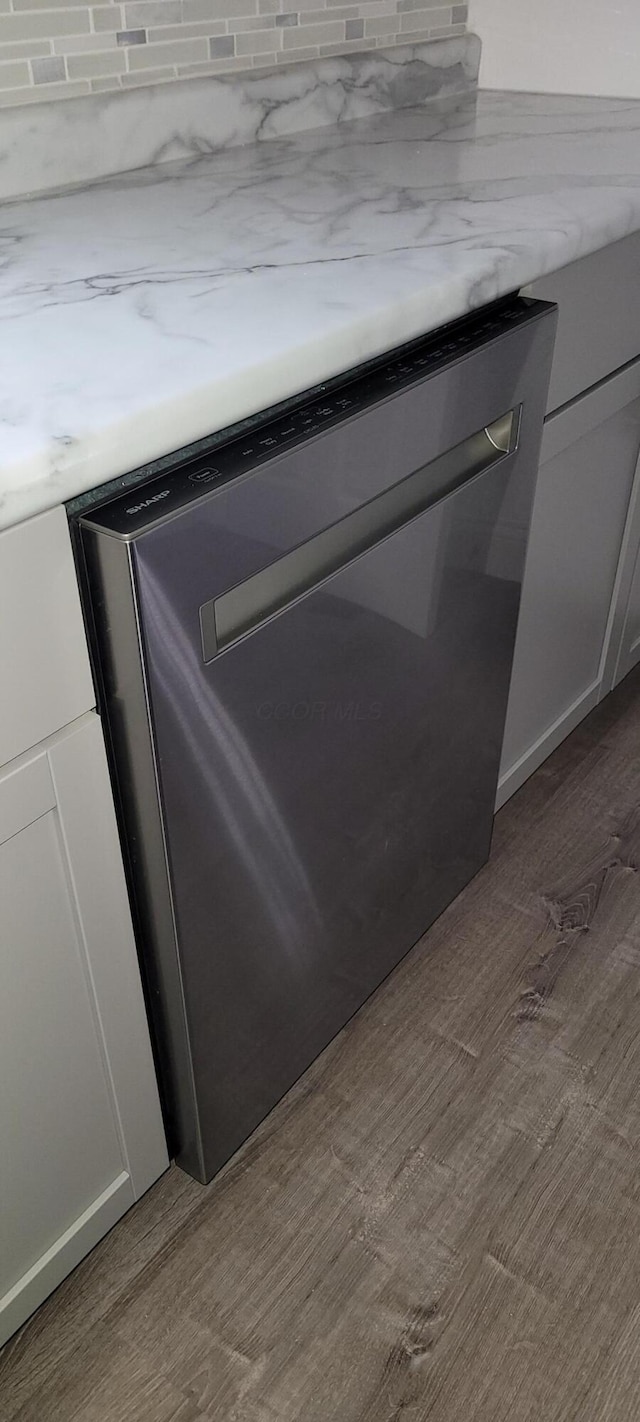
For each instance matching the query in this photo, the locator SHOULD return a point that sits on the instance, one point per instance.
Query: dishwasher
(302, 641)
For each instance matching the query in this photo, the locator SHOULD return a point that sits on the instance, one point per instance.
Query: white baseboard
(515, 776)
(49, 1271)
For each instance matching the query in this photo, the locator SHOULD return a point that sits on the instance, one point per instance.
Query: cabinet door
(629, 653)
(580, 513)
(624, 649)
(80, 1122)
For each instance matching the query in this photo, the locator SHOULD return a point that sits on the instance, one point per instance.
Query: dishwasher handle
(234, 614)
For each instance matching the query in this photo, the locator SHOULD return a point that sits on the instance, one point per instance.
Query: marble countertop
(147, 311)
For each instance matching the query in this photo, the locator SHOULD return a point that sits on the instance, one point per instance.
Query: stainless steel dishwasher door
(326, 738)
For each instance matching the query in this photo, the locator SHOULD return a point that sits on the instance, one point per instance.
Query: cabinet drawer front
(599, 320)
(46, 679)
(25, 794)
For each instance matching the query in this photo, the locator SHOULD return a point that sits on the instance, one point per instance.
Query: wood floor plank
(59, 1326)
(616, 1393)
(442, 1218)
(107, 1377)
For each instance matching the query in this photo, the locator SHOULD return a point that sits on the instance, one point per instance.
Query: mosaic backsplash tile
(57, 49)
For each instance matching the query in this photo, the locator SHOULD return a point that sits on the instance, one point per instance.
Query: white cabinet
(580, 524)
(579, 627)
(624, 642)
(46, 679)
(80, 1123)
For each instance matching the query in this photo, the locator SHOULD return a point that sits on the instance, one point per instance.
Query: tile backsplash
(57, 49)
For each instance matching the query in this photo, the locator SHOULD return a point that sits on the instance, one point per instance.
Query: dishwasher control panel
(144, 503)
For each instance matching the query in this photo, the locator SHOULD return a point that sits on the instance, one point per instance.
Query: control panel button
(205, 476)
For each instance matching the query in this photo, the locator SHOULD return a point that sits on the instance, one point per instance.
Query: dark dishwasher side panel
(106, 575)
(306, 677)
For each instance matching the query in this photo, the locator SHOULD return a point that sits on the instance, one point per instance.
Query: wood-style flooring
(442, 1220)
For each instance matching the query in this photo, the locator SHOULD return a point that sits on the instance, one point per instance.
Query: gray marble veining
(145, 312)
(80, 140)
